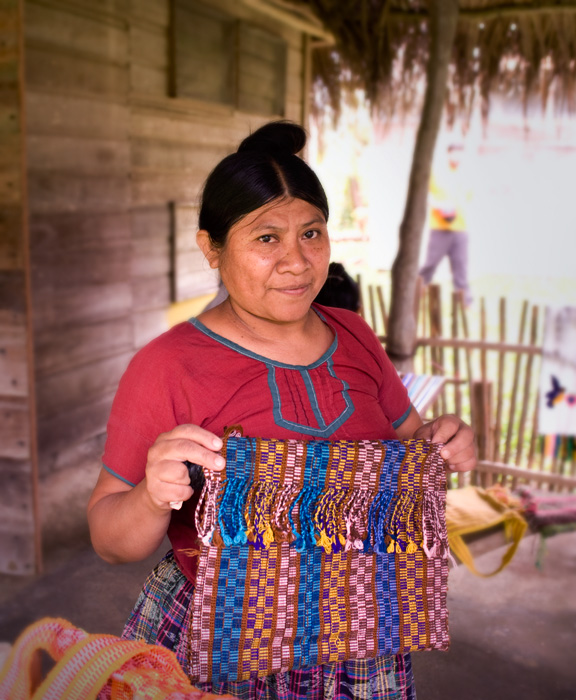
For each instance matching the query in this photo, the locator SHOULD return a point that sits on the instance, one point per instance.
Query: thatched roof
(512, 46)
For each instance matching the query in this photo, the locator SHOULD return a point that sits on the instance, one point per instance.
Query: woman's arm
(459, 449)
(128, 523)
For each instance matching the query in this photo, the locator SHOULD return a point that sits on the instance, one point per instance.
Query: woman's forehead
(278, 211)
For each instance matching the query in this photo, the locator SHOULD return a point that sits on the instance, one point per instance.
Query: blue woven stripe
(229, 607)
(387, 600)
(395, 454)
(308, 627)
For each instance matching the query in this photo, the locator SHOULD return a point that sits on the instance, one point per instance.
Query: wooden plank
(67, 428)
(79, 155)
(54, 308)
(16, 496)
(20, 546)
(149, 46)
(158, 188)
(151, 293)
(71, 389)
(53, 113)
(80, 231)
(87, 35)
(13, 293)
(11, 248)
(17, 552)
(149, 80)
(167, 156)
(74, 74)
(148, 325)
(111, 11)
(150, 224)
(153, 11)
(206, 126)
(55, 192)
(59, 349)
(72, 269)
(295, 66)
(192, 275)
(9, 110)
(204, 57)
(15, 428)
(73, 456)
(13, 355)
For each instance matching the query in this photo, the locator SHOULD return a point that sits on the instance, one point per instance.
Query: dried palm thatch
(461, 51)
(513, 47)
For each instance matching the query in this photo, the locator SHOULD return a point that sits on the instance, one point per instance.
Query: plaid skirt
(162, 616)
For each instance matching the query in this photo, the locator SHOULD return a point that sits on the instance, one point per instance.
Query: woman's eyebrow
(273, 227)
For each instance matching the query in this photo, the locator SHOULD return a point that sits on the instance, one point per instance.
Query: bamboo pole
(517, 364)
(468, 356)
(362, 310)
(500, 380)
(382, 306)
(527, 386)
(372, 307)
(456, 357)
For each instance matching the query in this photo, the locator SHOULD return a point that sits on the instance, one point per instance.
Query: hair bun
(280, 139)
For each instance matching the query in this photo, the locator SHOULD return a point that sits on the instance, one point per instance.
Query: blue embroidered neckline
(261, 358)
(324, 429)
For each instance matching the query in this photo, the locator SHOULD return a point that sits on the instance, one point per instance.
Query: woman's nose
(294, 258)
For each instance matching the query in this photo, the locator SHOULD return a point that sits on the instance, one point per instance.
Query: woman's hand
(459, 449)
(167, 479)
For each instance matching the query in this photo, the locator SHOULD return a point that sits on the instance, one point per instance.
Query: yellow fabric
(473, 509)
(89, 664)
(447, 191)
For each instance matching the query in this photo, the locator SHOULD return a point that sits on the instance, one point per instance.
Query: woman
(266, 359)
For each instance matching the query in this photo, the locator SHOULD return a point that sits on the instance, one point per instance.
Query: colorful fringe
(315, 552)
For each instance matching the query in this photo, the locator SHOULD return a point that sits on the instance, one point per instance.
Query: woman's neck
(298, 342)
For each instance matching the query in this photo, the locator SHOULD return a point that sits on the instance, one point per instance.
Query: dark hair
(264, 168)
(339, 289)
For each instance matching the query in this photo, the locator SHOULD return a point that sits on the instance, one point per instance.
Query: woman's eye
(312, 233)
(266, 238)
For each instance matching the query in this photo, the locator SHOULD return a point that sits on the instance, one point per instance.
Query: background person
(448, 200)
(249, 361)
(340, 289)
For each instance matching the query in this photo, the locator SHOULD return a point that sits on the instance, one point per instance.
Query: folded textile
(317, 551)
(472, 510)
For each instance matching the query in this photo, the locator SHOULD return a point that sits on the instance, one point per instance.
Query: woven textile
(91, 666)
(315, 552)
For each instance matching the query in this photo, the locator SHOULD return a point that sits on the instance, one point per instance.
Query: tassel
(280, 520)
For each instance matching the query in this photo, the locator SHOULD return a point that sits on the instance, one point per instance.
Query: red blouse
(192, 375)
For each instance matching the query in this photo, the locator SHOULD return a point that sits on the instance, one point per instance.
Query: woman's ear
(211, 253)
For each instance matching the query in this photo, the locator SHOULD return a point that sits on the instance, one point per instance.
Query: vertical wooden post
(482, 402)
(20, 545)
(456, 357)
(500, 381)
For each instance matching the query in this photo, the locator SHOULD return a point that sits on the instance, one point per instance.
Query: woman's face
(275, 260)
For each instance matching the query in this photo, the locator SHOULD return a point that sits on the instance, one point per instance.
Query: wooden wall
(19, 525)
(109, 153)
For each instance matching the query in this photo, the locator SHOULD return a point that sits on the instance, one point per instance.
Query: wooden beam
(473, 344)
(499, 468)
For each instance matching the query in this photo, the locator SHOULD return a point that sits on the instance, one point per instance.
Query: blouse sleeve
(142, 409)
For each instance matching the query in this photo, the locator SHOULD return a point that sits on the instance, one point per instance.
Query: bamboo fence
(492, 377)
